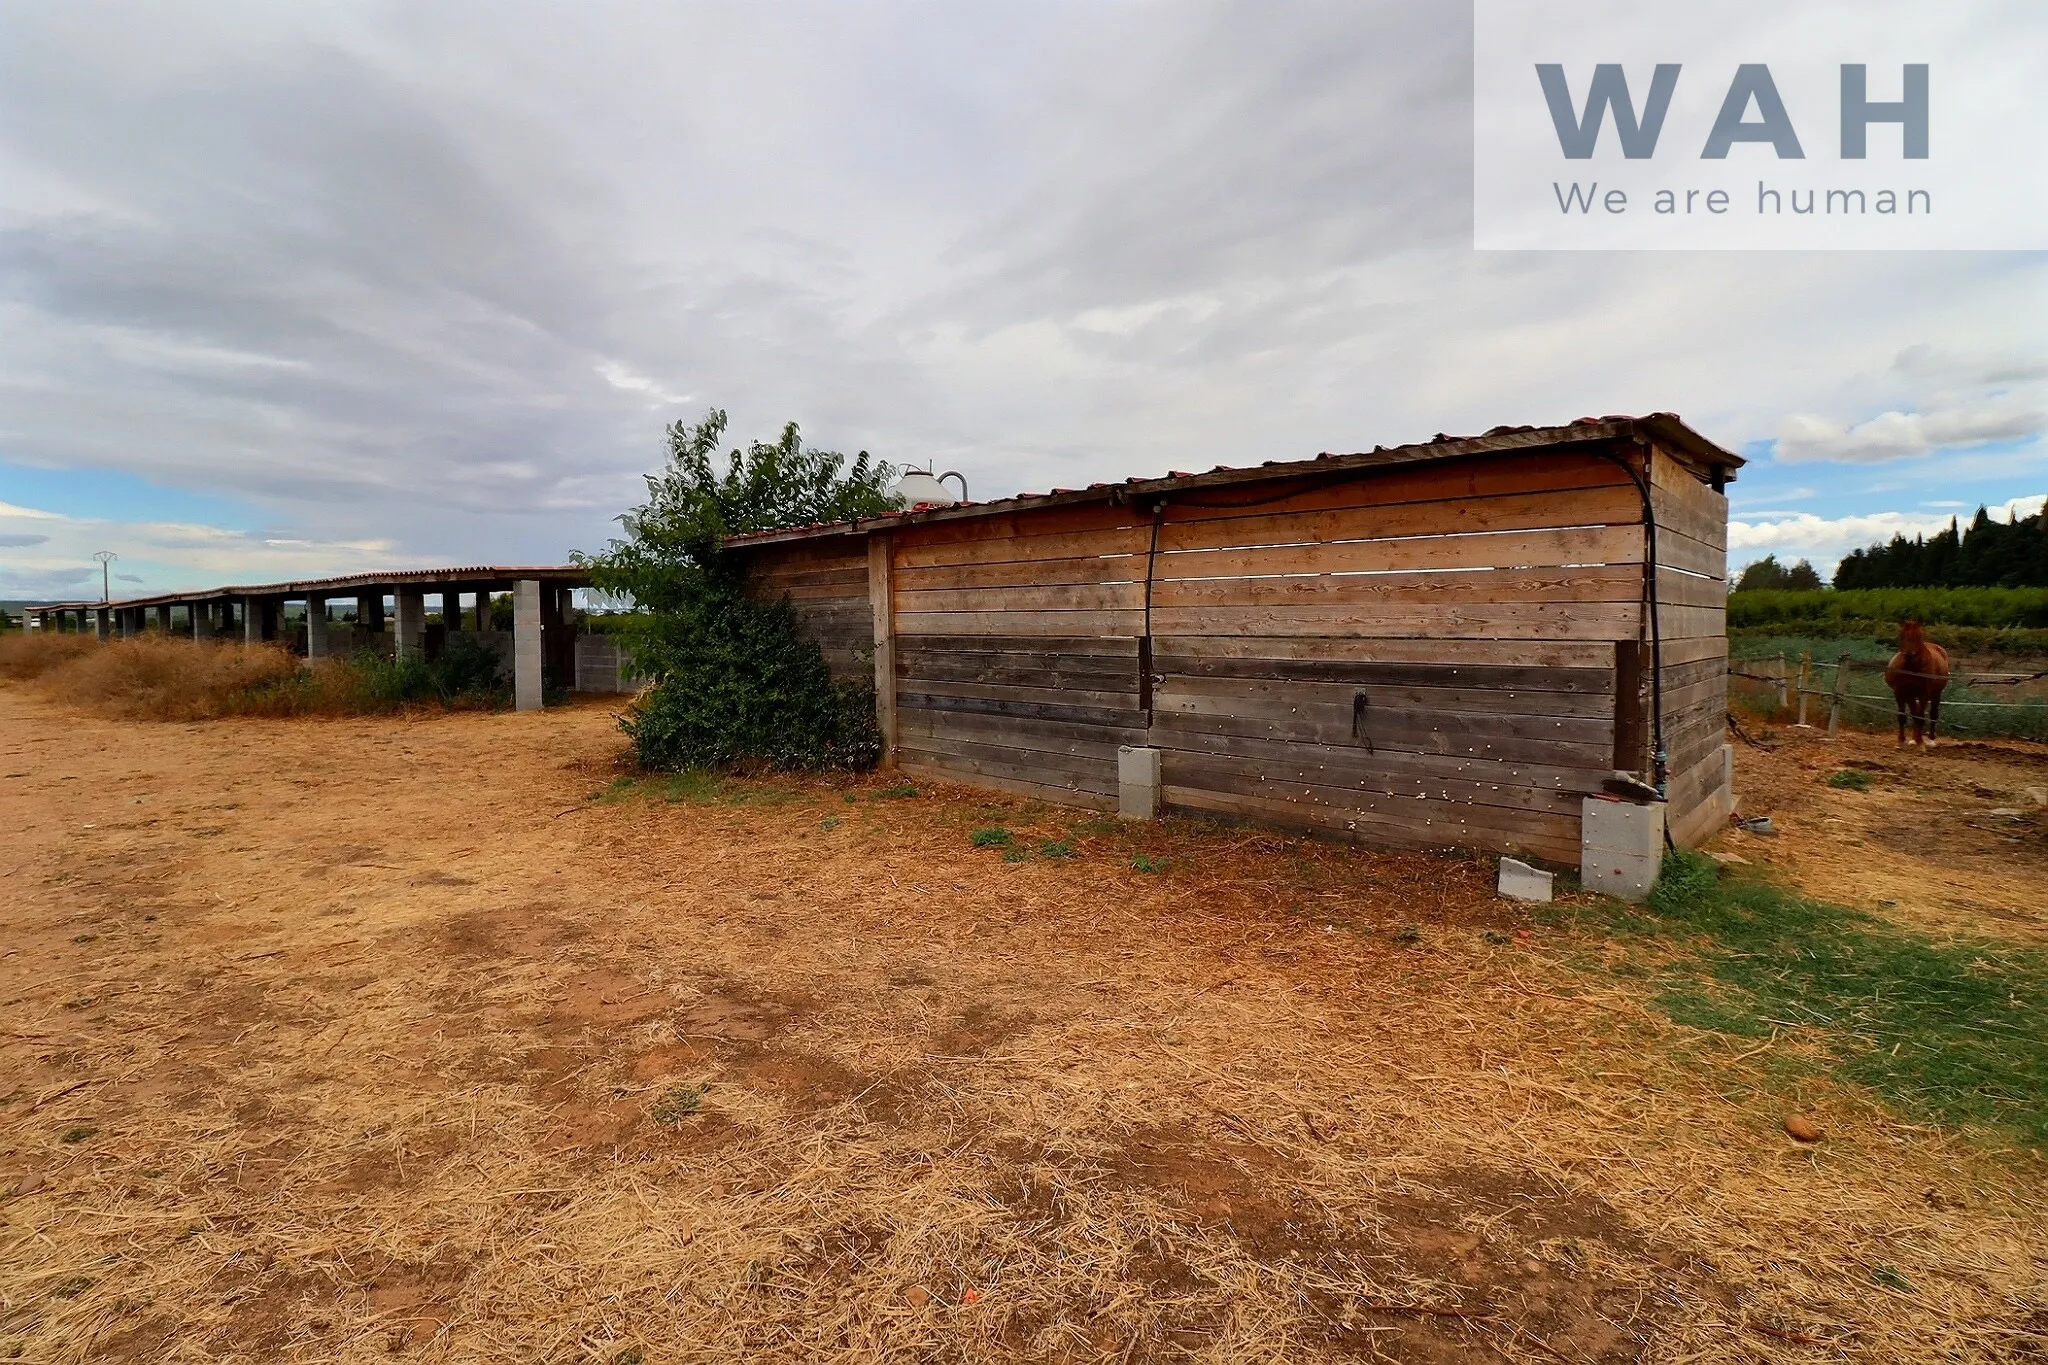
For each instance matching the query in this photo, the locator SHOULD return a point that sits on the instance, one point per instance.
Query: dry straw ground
(383, 1038)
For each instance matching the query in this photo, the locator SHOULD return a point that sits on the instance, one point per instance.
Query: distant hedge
(1856, 611)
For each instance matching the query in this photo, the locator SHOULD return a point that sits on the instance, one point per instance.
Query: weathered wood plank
(1113, 698)
(1400, 762)
(1105, 646)
(1615, 505)
(1122, 568)
(1081, 776)
(908, 700)
(1536, 620)
(882, 619)
(1392, 650)
(916, 550)
(1529, 678)
(936, 730)
(1059, 796)
(1009, 623)
(1054, 597)
(1683, 552)
(1544, 836)
(1093, 672)
(1692, 517)
(1679, 589)
(1685, 623)
(1598, 583)
(1507, 550)
(1428, 700)
(1551, 472)
(1512, 739)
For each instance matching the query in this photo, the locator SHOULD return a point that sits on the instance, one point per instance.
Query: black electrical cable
(1660, 758)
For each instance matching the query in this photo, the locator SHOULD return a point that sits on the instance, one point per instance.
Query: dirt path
(352, 1040)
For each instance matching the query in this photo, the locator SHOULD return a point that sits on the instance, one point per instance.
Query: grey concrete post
(316, 627)
(1137, 782)
(252, 621)
(202, 620)
(483, 608)
(526, 653)
(451, 610)
(103, 622)
(163, 618)
(410, 609)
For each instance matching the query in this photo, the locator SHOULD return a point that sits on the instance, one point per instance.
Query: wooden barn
(1446, 644)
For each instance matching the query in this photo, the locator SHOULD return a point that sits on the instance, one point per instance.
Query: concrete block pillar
(451, 610)
(526, 651)
(163, 618)
(409, 609)
(1621, 847)
(252, 621)
(103, 622)
(202, 620)
(483, 608)
(1137, 782)
(316, 627)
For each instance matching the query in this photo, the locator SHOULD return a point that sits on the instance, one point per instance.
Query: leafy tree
(1763, 575)
(1802, 577)
(735, 680)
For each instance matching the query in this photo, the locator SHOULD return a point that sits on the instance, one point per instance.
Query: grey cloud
(368, 268)
(21, 542)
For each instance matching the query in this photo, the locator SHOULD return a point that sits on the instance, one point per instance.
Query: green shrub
(1850, 779)
(996, 837)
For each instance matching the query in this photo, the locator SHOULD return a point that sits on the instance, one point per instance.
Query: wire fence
(1799, 687)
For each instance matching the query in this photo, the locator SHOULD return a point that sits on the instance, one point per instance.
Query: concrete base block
(1521, 882)
(1137, 782)
(1621, 847)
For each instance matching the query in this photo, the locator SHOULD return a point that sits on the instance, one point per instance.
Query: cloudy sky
(295, 289)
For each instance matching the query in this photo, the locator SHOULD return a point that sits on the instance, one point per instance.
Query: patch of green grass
(619, 790)
(1145, 862)
(692, 784)
(78, 1134)
(995, 836)
(1850, 779)
(1055, 848)
(829, 823)
(1015, 855)
(676, 1103)
(1948, 1030)
(1097, 826)
(901, 791)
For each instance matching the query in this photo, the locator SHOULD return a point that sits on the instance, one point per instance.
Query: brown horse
(1917, 676)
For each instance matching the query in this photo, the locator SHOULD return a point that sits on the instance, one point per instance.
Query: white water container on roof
(922, 488)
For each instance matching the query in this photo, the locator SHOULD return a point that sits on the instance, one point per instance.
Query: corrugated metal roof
(1663, 426)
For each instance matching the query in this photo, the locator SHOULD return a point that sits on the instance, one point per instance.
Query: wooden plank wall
(827, 582)
(1692, 613)
(1421, 657)
(1016, 644)
(1425, 655)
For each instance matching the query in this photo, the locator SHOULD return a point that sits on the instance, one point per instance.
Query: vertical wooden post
(1783, 702)
(1805, 685)
(879, 562)
(1835, 698)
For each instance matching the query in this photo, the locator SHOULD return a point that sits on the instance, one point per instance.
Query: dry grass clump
(162, 677)
(154, 677)
(30, 654)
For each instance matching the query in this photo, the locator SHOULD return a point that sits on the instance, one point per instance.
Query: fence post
(1805, 684)
(1835, 699)
(1782, 701)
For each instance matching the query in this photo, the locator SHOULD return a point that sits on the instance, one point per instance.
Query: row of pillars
(536, 607)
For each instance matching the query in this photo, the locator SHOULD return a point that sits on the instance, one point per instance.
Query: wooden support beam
(880, 602)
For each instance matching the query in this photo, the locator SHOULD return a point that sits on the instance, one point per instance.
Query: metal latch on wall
(1359, 704)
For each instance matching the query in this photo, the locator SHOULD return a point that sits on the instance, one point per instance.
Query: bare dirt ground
(374, 1039)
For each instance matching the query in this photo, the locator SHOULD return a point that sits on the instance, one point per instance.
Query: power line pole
(106, 557)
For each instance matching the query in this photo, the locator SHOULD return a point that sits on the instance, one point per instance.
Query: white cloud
(1824, 540)
(1958, 401)
(162, 555)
